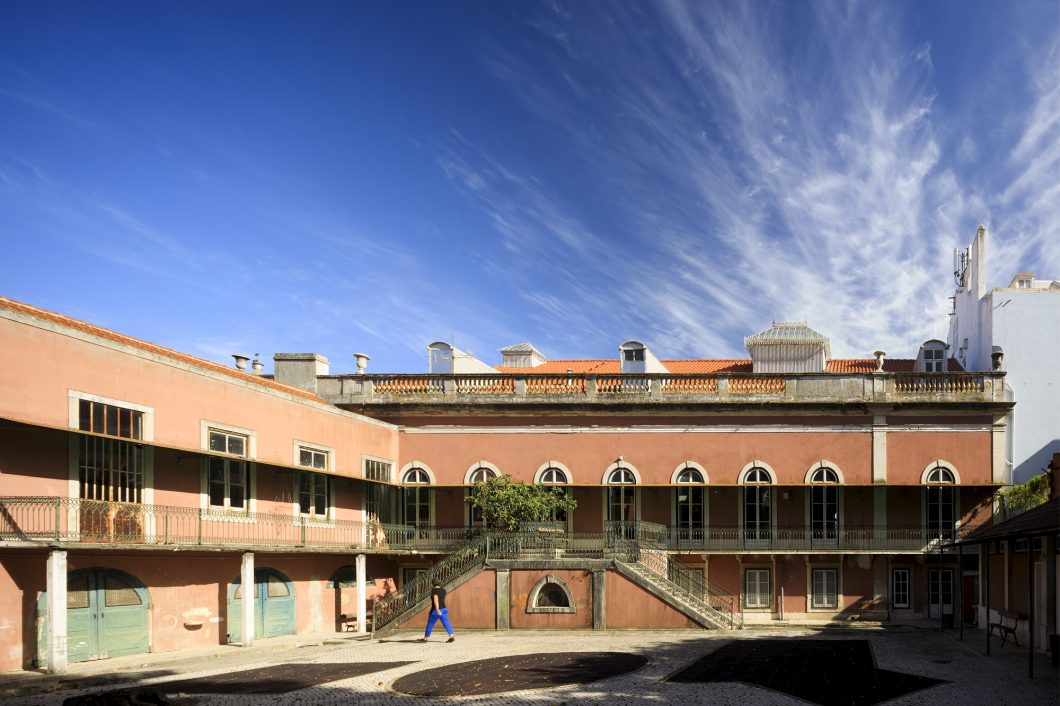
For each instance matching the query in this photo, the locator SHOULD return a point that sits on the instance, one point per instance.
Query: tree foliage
(1029, 494)
(506, 503)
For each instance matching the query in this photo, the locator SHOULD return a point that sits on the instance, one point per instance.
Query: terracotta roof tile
(709, 366)
(94, 330)
(552, 367)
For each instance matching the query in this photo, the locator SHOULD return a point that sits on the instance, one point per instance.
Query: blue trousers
(434, 617)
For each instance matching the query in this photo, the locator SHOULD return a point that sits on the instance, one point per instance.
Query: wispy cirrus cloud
(746, 174)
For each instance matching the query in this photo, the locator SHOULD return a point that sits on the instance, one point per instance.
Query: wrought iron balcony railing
(65, 520)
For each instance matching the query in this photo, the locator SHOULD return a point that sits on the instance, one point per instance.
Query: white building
(1019, 325)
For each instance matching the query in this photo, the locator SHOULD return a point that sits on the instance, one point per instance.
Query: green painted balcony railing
(65, 520)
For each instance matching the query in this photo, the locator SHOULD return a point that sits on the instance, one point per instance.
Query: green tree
(506, 503)
(1029, 494)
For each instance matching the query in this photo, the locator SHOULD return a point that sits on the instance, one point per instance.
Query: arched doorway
(107, 615)
(274, 604)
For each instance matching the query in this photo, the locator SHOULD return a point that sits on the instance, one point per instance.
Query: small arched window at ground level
(550, 595)
(345, 577)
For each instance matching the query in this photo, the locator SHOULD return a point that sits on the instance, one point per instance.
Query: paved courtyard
(340, 670)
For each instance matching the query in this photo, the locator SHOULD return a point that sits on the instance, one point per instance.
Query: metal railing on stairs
(689, 584)
(466, 558)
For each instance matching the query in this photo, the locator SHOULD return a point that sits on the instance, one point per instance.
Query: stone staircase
(684, 589)
(671, 581)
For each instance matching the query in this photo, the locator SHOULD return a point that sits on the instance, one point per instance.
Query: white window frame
(908, 574)
(366, 459)
(812, 599)
(746, 595)
(310, 517)
(74, 411)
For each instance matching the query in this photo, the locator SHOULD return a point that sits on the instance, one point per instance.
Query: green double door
(107, 615)
(274, 606)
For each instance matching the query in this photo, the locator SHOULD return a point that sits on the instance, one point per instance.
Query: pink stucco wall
(655, 455)
(580, 584)
(630, 606)
(38, 368)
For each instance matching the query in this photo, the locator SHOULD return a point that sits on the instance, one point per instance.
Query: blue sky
(225, 177)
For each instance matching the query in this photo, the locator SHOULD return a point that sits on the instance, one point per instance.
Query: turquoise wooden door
(107, 615)
(274, 606)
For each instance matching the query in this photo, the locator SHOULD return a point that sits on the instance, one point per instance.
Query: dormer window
(636, 354)
(932, 357)
(933, 360)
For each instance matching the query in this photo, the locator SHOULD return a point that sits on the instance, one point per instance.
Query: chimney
(256, 365)
(300, 369)
(362, 362)
(241, 361)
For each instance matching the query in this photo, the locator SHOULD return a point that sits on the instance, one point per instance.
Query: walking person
(438, 612)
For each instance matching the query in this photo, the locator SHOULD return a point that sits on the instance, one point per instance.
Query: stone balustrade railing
(818, 388)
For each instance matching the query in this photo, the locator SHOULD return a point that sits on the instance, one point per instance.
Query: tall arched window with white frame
(757, 504)
(556, 477)
(479, 475)
(417, 500)
(941, 503)
(824, 504)
(621, 495)
(690, 503)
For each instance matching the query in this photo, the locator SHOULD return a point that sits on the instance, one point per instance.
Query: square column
(57, 635)
(503, 599)
(246, 577)
(362, 595)
(599, 600)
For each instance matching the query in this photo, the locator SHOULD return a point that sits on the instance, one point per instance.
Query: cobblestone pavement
(974, 678)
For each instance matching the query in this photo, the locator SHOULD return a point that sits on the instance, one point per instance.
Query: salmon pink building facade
(141, 489)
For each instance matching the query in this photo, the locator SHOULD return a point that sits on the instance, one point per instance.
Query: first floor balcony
(56, 521)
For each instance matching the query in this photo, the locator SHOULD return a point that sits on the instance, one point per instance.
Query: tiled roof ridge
(96, 330)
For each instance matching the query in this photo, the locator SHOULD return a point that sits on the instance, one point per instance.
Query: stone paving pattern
(972, 678)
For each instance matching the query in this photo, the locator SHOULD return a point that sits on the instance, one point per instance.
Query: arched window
(824, 504)
(556, 476)
(477, 475)
(481, 474)
(417, 497)
(941, 502)
(689, 503)
(758, 503)
(621, 495)
(550, 595)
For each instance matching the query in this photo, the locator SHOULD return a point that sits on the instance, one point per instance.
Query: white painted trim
(228, 514)
(416, 464)
(689, 464)
(74, 413)
(939, 463)
(296, 461)
(381, 459)
(621, 464)
(477, 465)
(205, 425)
(823, 464)
(553, 464)
(757, 463)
